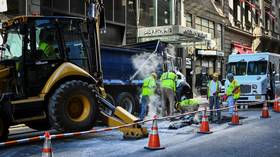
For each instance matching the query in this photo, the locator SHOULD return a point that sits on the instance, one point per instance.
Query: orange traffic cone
(204, 125)
(47, 148)
(235, 117)
(154, 142)
(265, 113)
(276, 104)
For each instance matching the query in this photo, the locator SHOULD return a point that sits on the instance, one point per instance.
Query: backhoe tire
(72, 107)
(126, 101)
(40, 125)
(4, 130)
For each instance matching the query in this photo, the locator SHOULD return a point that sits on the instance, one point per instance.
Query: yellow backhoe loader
(51, 75)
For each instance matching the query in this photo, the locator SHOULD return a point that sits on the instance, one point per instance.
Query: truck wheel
(4, 130)
(126, 101)
(72, 107)
(110, 99)
(39, 125)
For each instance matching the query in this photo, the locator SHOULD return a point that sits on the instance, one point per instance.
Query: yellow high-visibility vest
(168, 80)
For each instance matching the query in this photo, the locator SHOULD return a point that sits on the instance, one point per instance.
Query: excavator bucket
(120, 116)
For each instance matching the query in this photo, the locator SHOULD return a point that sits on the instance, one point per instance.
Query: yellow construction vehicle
(51, 75)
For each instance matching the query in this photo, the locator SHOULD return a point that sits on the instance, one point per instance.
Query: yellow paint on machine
(28, 100)
(4, 72)
(63, 71)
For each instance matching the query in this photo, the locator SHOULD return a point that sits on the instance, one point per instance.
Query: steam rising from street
(146, 63)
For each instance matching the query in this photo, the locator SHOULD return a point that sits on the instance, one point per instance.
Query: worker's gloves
(225, 97)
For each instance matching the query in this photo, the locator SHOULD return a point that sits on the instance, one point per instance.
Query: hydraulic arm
(119, 116)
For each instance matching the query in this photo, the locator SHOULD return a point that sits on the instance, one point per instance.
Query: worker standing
(232, 92)
(168, 90)
(213, 89)
(148, 90)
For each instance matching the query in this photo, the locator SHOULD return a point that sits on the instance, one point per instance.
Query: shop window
(119, 11)
(131, 12)
(77, 6)
(108, 4)
(15, 7)
(62, 5)
(46, 3)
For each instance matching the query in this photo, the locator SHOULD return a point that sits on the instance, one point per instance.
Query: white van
(257, 74)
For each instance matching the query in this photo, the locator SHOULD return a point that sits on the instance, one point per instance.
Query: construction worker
(45, 44)
(168, 90)
(213, 89)
(232, 92)
(148, 90)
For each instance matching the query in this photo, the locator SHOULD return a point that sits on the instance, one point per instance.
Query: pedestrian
(168, 90)
(213, 90)
(232, 92)
(148, 90)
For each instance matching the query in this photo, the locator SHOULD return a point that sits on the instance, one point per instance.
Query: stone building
(251, 25)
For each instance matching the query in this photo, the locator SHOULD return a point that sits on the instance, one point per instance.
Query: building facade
(120, 15)
(159, 19)
(251, 26)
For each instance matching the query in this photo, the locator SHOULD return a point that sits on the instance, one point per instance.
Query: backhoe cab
(49, 77)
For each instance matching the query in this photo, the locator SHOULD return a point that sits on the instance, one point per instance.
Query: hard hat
(230, 76)
(216, 75)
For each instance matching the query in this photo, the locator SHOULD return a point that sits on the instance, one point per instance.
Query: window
(16, 7)
(46, 39)
(236, 12)
(147, 13)
(119, 11)
(131, 12)
(62, 5)
(247, 13)
(237, 68)
(273, 25)
(13, 45)
(164, 12)
(218, 37)
(77, 6)
(73, 41)
(188, 20)
(108, 4)
(257, 17)
(257, 68)
(266, 21)
(205, 26)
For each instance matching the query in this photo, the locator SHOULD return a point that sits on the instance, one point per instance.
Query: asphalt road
(255, 138)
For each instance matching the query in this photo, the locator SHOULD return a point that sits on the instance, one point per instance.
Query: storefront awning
(242, 49)
(172, 33)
